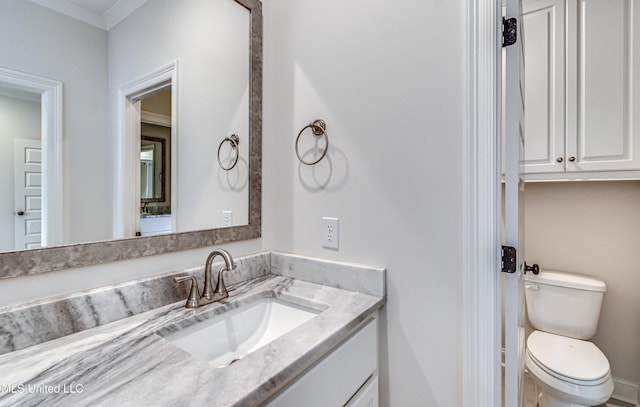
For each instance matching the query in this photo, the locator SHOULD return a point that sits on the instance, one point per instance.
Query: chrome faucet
(208, 296)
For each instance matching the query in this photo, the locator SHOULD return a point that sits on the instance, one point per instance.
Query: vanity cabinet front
(348, 376)
(582, 109)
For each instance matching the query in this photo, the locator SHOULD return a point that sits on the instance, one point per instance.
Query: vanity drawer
(335, 380)
(367, 396)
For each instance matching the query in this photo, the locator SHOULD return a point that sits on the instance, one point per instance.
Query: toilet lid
(568, 357)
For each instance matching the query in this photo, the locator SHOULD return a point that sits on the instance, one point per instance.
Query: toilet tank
(564, 304)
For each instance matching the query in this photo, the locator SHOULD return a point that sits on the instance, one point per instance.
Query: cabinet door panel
(544, 86)
(606, 92)
(337, 377)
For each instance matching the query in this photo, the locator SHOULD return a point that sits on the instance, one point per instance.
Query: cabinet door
(544, 33)
(337, 377)
(607, 44)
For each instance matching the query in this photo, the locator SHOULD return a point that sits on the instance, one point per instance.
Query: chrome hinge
(509, 31)
(509, 262)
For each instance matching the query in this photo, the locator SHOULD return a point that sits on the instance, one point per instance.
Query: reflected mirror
(103, 172)
(152, 170)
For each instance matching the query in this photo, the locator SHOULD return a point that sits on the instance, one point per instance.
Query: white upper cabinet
(582, 89)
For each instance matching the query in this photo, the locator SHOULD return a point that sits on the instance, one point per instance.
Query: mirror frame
(34, 261)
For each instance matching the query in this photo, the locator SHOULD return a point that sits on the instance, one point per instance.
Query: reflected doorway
(20, 169)
(129, 206)
(30, 161)
(155, 164)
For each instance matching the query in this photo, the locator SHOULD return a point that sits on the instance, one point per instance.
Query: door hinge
(509, 31)
(509, 262)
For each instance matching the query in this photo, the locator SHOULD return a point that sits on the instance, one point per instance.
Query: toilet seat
(560, 392)
(571, 360)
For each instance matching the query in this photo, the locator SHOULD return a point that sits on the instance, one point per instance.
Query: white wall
(387, 77)
(19, 118)
(210, 40)
(38, 41)
(592, 228)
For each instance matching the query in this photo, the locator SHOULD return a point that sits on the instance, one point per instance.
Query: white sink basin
(227, 337)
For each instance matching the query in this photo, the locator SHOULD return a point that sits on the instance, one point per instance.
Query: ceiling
(103, 14)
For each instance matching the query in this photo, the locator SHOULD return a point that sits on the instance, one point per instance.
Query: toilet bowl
(570, 372)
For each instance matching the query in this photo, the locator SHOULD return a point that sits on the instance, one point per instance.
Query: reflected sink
(228, 337)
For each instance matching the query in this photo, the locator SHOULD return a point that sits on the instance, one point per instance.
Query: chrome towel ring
(319, 129)
(233, 140)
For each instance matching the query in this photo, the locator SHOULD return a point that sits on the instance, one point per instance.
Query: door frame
(481, 375)
(50, 92)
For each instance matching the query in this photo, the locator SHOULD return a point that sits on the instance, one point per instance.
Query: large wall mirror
(111, 118)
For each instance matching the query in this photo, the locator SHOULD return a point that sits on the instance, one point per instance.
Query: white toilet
(564, 309)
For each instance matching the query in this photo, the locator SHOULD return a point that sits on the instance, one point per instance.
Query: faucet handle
(193, 300)
(221, 289)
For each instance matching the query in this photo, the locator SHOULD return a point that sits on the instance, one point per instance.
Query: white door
(513, 211)
(27, 193)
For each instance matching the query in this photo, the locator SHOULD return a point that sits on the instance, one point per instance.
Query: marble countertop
(126, 363)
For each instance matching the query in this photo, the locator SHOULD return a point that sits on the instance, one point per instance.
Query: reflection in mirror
(30, 167)
(152, 169)
(148, 186)
(218, 44)
(211, 41)
(212, 102)
(155, 144)
(155, 164)
(20, 170)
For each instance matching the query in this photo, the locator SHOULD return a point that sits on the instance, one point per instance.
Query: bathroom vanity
(293, 330)
(151, 225)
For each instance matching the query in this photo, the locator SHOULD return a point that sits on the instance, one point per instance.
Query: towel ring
(319, 129)
(234, 140)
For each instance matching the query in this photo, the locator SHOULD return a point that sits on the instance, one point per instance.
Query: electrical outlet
(227, 218)
(330, 233)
